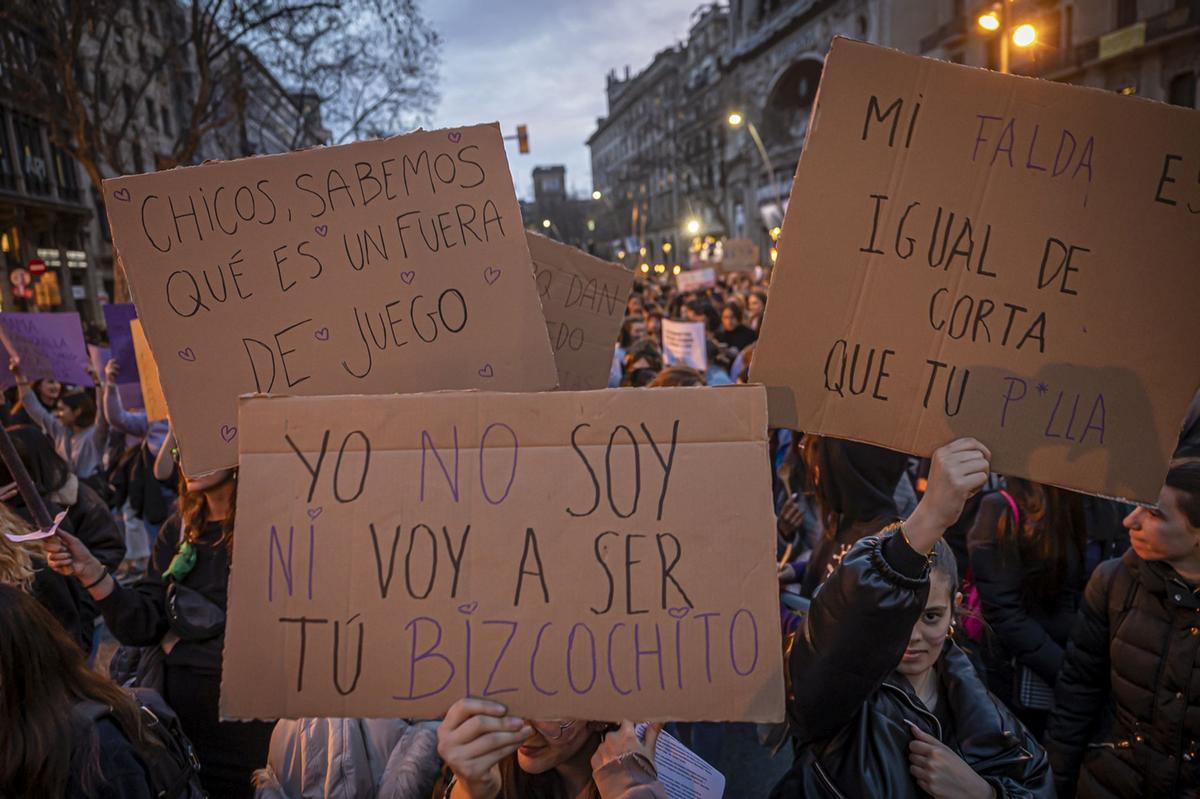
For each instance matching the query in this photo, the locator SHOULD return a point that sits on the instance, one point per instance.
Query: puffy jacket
(1127, 703)
(851, 710)
(341, 758)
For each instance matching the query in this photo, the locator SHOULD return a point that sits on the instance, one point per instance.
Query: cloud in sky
(543, 63)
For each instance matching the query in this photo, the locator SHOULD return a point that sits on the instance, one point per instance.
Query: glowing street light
(546, 224)
(989, 21)
(660, 268)
(596, 195)
(676, 269)
(736, 118)
(645, 267)
(1024, 35)
(693, 226)
(621, 255)
(666, 246)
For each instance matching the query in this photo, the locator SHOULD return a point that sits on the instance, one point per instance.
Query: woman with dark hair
(51, 748)
(732, 332)
(48, 390)
(756, 304)
(643, 362)
(88, 518)
(490, 755)
(190, 563)
(853, 488)
(1125, 720)
(882, 700)
(79, 434)
(1027, 551)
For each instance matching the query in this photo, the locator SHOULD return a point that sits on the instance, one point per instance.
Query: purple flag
(48, 344)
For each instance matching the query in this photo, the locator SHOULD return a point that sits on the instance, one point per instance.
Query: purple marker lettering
(487, 689)
(275, 546)
(612, 675)
(707, 648)
(638, 652)
(426, 445)
(732, 653)
(571, 647)
(512, 476)
(428, 653)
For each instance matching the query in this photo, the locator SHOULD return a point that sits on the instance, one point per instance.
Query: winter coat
(1126, 720)
(851, 710)
(342, 758)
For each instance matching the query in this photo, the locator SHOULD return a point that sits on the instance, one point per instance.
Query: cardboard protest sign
(572, 554)
(117, 317)
(696, 279)
(376, 267)
(738, 255)
(48, 344)
(583, 300)
(152, 394)
(995, 256)
(685, 342)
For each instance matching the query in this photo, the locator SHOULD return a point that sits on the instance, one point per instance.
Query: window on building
(8, 173)
(1182, 90)
(31, 154)
(151, 117)
(101, 215)
(166, 120)
(1126, 12)
(139, 164)
(65, 170)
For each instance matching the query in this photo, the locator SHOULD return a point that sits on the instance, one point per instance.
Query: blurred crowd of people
(949, 632)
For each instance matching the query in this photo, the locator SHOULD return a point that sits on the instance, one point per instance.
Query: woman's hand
(623, 740)
(958, 470)
(111, 370)
(941, 773)
(790, 517)
(70, 557)
(473, 738)
(14, 366)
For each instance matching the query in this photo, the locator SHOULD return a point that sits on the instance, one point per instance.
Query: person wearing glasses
(492, 755)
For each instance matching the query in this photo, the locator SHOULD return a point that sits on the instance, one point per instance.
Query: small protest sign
(48, 344)
(685, 343)
(570, 554)
(969, 253)
(376, 267)
(152, 394)
(738, 255)
(131, 393)
(117, 317)
(583, 300)
(696, 279)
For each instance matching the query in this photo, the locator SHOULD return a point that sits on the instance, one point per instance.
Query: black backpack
(166, 752)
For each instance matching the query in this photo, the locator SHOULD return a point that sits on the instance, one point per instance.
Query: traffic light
(522, 140)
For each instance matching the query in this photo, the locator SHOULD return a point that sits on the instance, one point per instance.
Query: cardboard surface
(48, 344)
(696, 279)
(522, 565)
(686, 343)
(377, 267)
(152, 394)
(583, 300)
(738, 255)
(1015, 261)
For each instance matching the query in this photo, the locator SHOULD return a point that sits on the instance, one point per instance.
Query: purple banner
(117, 317)
(131, 393)
(48, 344)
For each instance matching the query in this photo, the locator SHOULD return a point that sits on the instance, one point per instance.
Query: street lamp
(546, 223)
(693, 226)
(736, 119)
(596, 195)
(996, 20)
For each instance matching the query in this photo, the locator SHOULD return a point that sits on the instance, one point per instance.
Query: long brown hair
(1052, 525)
(548, 785)
(193, 511)
(42, 677)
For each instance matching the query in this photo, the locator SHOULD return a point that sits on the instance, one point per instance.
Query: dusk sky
(542, 63)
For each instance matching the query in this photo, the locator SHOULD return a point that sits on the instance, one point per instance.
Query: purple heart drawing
(491, 275)
(486, 371)
(678, 613)
(321, 230)
(322, 334)
(122, 195)
(468, 608)
(454, 136)
(188, 354)
(313, 513)
(408, 277)
(228, 432)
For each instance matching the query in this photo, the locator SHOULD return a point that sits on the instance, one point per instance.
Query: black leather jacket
(850, 710)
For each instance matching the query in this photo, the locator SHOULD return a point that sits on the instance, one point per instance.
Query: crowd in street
(949, 632)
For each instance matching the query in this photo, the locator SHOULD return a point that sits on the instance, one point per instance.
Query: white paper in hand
(682, 772)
